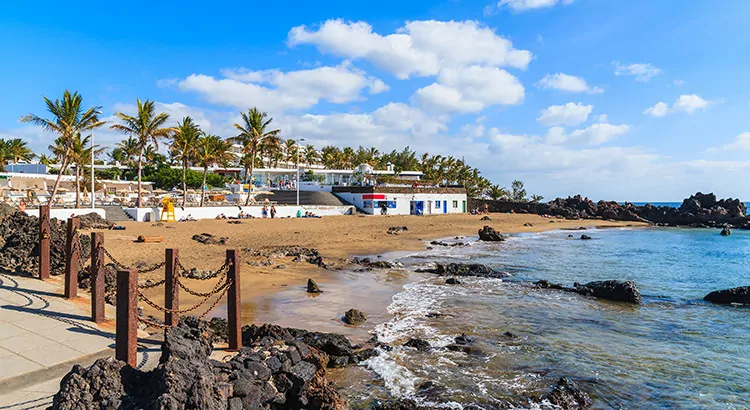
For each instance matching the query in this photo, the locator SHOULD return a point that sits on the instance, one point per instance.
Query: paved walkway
(42, 335)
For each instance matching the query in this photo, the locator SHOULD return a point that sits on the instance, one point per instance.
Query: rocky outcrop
(566, 395)
(612, 290)
(94, 221)
(19, 241)
(370, 264)
(210, 239)
(268, 373)
(740, 295)
(465, 269)
(354, 317)
(725, 231)
(419, 344)
(298, 253)
(312, 287)
(699, 210)
(487, 233)
(397, 230)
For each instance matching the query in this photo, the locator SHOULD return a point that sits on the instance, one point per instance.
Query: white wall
(153, 214)
(403, 203)
(64, 214)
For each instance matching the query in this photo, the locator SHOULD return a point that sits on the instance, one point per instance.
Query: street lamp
(298, 141)
(92, 172)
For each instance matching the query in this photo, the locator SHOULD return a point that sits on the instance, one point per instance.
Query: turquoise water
(673, 351)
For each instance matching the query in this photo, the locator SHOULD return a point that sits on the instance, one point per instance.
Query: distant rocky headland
(699, 210)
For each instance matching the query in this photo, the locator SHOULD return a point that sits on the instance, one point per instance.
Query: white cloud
(470, 89)
(420, 48)
(684, 103)
(602, 118)
(741, 143)
(476, 130)
(568, 83)
(277, 91)
(524, 5)
(659, 109)
(596, 134)
(642, 72)
(570, 114)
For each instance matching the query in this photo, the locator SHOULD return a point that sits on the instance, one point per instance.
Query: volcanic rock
(729, 296)
(354, 317)
(452, 281)
(487, 233)
(419, 344)
(466, 269)
(397, 230)
(312, 287)
(210, 239)
(613, 290)
(93, 221)
(567, 396)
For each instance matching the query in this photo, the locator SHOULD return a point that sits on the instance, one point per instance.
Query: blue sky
(636, 100)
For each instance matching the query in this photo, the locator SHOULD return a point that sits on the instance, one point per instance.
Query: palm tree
(497, 192)
(184, 141)
(290, 150)
(147, 127)
(311, 155)
(211, 150)
(253, 130)
(47, 160)
(69, 118)
(536, 198)
(80, 156)
(18, 150)
(129, 148)
(269, 147)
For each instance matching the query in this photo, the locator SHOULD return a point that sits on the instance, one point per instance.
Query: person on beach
(273, 211)
(264, 212)
(22, 206)
(299, 213)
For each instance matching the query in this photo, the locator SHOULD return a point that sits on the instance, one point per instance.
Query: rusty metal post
(97, 277)
(234, 318)
(71, 258)
(44, 238)
(171, 288)
(126, 341)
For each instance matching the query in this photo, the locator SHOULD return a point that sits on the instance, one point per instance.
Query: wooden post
(171, 289)
(97, 277)
(71, 258)
(44, 237)
(126, 341)
(234, 320)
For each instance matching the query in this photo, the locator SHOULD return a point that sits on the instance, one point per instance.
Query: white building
(401, 200)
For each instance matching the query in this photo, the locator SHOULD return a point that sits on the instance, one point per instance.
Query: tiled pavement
(42, 335)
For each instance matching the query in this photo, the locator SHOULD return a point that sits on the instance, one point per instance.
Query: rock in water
(487, 233)
(452, 281)
(613, 290)
(567, 396)
(729, 296)
(312, 287)
(466, 269)
(585, 237)
(726, 231)
(354, 317)
(419, 344)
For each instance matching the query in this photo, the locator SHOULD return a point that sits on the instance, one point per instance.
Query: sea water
(672, 351)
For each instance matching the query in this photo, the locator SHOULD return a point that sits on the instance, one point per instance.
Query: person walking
(273, 211)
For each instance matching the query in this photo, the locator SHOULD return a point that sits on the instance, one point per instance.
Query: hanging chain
(221, 271)
(190, 309)
(218, 285)
(152, 285)
(153, 324)
(115, 261)
(216, 302)
(153, 268)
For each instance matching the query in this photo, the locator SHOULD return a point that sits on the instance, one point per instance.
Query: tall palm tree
(147, 127)
(211, 150)
(269, 147)
(129, 148)
(252, 131)
(69, 118)
(47, 160)
(80, 157)
(290, 150)
(311, 155)
(184, 142)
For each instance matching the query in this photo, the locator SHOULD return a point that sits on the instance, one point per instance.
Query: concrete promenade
(42, 335)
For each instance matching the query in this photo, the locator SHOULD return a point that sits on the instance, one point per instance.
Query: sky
(636, 100)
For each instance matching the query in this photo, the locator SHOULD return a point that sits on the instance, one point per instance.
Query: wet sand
(337, 238)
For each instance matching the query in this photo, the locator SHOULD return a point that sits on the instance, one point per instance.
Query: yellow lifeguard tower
(167, 211)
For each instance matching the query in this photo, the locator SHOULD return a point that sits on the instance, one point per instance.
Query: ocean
(673, 351)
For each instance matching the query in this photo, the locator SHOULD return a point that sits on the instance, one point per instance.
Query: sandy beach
(336, 238)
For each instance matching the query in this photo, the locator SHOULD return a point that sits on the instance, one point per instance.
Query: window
(455, 204)
(437, 204)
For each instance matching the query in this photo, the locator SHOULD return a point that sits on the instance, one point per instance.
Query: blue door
(445, 207)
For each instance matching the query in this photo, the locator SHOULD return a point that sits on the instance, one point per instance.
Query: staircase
(115, 214)
(305, 198)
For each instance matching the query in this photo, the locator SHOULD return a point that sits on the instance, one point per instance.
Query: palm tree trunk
(184, 181)
(140, 171)
(250, 176)
(63, 167)
(78, 187)
(203, 186)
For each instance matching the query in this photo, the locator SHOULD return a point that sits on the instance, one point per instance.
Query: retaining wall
(154, 214)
